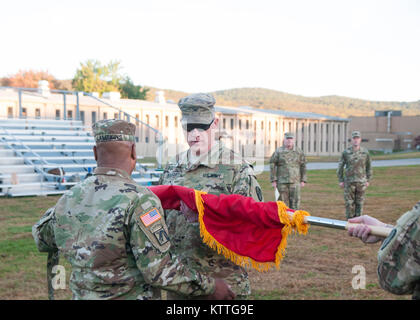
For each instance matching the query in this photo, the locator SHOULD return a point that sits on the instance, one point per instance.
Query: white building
(249, 131)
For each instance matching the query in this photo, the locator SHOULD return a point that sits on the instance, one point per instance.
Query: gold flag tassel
(290, 224)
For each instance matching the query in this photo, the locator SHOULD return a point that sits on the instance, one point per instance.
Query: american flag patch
(150, 217)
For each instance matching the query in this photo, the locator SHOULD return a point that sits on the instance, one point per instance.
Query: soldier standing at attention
(398, 257)
(288, 171)
(211, 167)
(354, 173)
(113, 232)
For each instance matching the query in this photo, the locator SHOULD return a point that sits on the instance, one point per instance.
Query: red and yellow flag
(247, 232)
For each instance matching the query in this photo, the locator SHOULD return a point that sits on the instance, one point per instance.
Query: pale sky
(361, 49)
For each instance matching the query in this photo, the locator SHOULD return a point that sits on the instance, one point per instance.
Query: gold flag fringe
(290, 224)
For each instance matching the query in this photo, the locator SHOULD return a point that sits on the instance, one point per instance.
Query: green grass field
(317, 266)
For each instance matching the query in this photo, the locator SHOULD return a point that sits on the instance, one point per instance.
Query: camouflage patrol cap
(355, 134)
(197, 108)
(113, 130)
(289, 135)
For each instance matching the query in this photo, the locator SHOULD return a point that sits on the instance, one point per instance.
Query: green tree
(92, 76)
(129, 90)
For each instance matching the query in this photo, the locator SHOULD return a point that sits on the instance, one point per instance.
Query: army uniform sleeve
(150, 244)
(245, 183)
(340, 169)
(368, 166)
(303, 168)
(398, 258)
(163, 175)
(43, 232)
(273, 166)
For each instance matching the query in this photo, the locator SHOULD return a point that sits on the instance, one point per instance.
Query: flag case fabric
(248, 232)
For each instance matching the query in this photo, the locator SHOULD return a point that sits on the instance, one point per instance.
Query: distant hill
(272, 99)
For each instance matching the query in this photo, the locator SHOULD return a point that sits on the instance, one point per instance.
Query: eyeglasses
(200, 126)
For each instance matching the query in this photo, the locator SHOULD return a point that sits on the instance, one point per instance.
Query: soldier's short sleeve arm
(303, 177)
(273, 167)
(150, 244)
(398, 258)
(245, 183)
(43, 232)
(368, 167)
(340, 169)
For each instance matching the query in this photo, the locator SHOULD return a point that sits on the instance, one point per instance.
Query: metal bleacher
(43, 157)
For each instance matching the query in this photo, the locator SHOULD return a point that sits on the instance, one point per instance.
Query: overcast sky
(359, 49)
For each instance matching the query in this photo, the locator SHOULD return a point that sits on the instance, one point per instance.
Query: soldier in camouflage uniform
(354, 173)
(288, 171)
(113, 233)
(398, 257)
(211, 167)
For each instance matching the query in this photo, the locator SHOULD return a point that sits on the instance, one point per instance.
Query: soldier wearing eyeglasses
(209, 166)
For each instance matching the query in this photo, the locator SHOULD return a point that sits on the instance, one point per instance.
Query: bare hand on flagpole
(362, 230)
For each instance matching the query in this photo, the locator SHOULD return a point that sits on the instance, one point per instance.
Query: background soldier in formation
(208, 166)
(354, 173)
(288, 171)
(113, 232)
(398, 257)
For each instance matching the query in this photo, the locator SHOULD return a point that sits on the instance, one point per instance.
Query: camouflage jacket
(113, 233)
(288, 166)
(398, 257)
(354, 166)
(221, 171)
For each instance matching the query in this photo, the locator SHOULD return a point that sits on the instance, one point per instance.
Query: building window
(82, 116)
(269, 126)
(277, 126)
(231, 124)
(157, 121)
(57, 114)
(10, 112)
(93, 116)
(240, 124)
(176, 121)
(105, 116)
(224, 123)
(70, 114)
(262, 125)
(37, 113)
(24, 113)
(290, 126)
(338, 137)
(309, 137)
(327, 126)
(247, 124)
(166, 121)
(116, 115)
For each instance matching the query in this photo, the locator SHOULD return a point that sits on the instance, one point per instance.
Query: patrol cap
(197, 108)
(113, 130)
(289, 135)
(355, 134)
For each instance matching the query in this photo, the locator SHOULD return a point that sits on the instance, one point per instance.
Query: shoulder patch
(388, 239)
(150, 217)
(259, 193)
